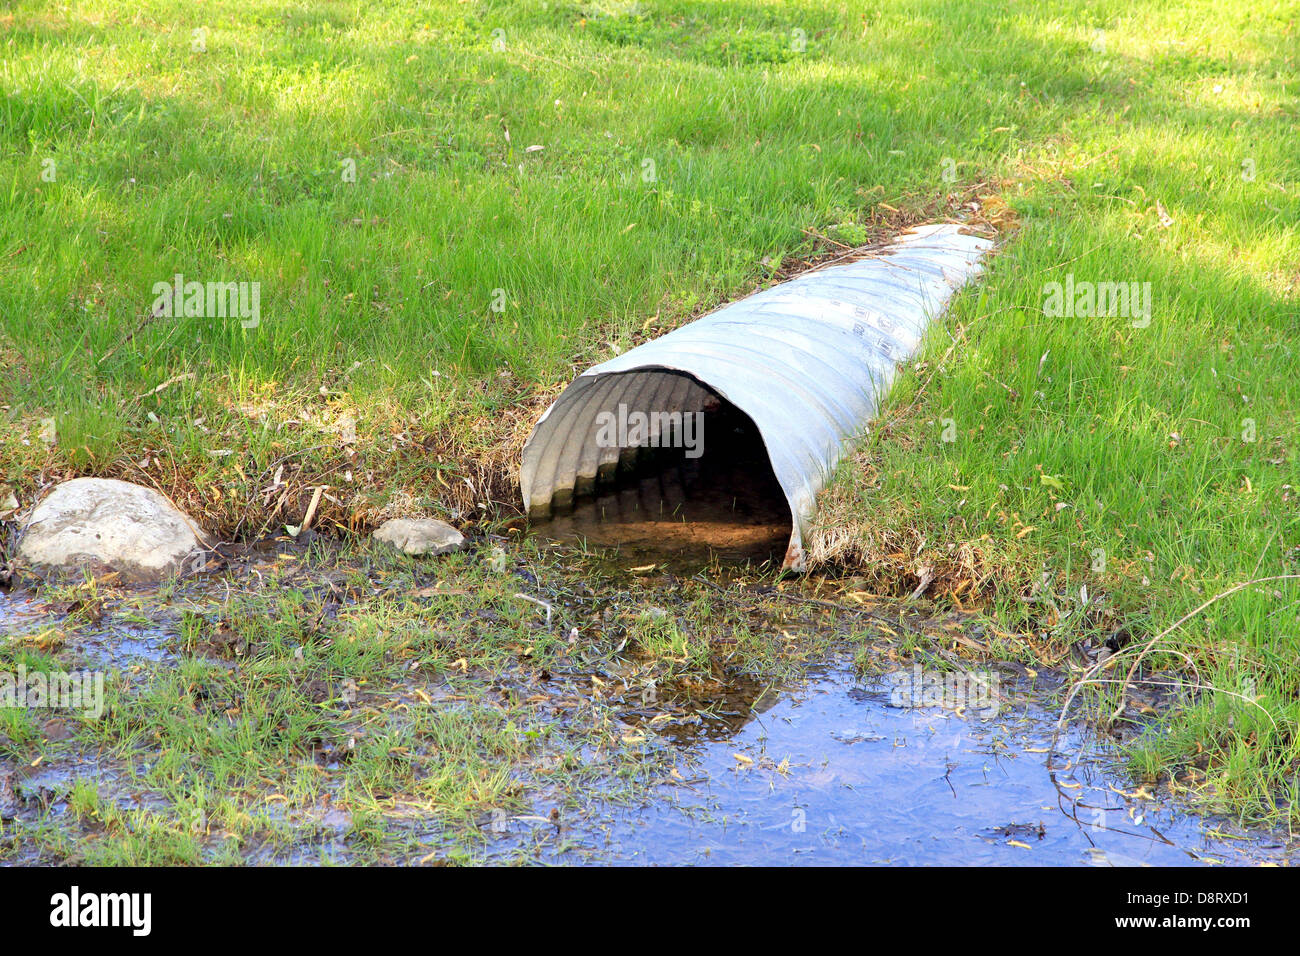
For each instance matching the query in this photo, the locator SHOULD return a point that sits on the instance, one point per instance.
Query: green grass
(1114, 142)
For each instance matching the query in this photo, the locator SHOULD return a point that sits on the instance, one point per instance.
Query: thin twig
(1089, 676)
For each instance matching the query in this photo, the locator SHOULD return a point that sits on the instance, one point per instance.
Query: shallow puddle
(115, 640)
(18, 611)
(833, 772)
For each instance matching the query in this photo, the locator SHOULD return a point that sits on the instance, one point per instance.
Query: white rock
(420, 535)
(105, 525)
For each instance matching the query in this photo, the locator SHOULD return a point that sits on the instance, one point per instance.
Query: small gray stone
(420, 535)
(103, 525)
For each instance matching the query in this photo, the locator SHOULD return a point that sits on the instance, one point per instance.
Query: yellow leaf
(1023, 846)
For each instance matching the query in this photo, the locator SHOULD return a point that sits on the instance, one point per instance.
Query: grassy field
(451, 207)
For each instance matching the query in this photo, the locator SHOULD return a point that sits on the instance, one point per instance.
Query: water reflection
(834, 772)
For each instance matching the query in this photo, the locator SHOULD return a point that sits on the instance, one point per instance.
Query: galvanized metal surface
(808, 361)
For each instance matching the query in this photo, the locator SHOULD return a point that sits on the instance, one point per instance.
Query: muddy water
(834, 772)
(119, 640)
(683, 512)
(649, 523)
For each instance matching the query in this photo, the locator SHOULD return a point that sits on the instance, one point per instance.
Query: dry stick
(311, 508)
(1067, 261)
(1146, 649)
(266, 471)
(934, 369)
(563, 66)
(184, 376)
(856, 254)
(549, 607)
(1088, 676)
(817, 235)
(152, 316)
(1197, 685)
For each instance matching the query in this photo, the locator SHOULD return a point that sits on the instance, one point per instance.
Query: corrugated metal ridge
(807, 361)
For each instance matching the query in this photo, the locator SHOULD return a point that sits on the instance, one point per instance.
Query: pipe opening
(660, 467)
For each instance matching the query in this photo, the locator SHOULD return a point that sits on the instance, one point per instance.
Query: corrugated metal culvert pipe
(806, 362)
